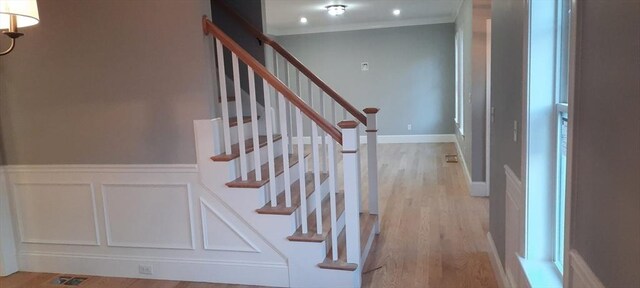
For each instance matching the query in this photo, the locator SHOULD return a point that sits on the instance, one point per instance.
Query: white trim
(204, 206)
(496, 263)
(359, 26)
(488, 116)
(228, 271)
(97, 168)
(8, 253)
(464, 163)
(17, 204)
(479, 189)
(581, 272)
(111, 243)
(398, 139)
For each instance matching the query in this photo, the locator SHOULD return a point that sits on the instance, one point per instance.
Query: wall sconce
(15, 14)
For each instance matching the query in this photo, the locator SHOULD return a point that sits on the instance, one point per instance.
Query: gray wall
(464, 25)
(472, 22)
(107, 82)
(411, 76)
(606, 183)
(506, 97)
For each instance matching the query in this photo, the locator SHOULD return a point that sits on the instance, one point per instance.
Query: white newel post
(372, 160)
(351, 189)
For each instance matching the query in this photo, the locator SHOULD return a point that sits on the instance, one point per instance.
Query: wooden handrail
(294, 61)
(210, 28)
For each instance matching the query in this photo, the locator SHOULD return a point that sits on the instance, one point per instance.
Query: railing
(300, 68)
(294, 112)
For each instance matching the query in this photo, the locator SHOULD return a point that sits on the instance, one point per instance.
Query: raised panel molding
(514, 230)
(56, 218)
(581, 274)
(145, 221)
(222, 223)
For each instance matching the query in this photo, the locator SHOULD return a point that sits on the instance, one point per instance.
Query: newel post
(350, 146)
(372, 160)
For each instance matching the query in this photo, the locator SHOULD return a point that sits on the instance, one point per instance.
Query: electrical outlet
(409, 127)
(364, 66)
(145, 269)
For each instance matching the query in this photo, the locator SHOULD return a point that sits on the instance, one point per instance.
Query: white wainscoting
(108, 219)
(496, 264)
(580, 274)
(56, 213)
(148, 215)
(514, 229)
(8, 256)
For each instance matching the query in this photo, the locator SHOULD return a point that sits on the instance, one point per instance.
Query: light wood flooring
(433, 232)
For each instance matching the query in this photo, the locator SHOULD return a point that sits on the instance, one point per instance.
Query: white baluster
(344, 113)
(351, 189)
(301, 171)
(239, 117)
(289, 107)
(273, 193)
(331, 151)
(316, 176)
(333, 112)
(285, 149)
(223, 98)
(276, 126)
(254, 124)
(322, 134)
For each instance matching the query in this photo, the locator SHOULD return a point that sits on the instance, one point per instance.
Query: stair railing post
(351, 188)
(372, 161)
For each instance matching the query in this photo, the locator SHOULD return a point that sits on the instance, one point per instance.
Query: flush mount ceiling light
(396, 12)
(303, 20)
(335, 10)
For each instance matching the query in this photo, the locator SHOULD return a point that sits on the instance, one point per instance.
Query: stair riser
(264, 158)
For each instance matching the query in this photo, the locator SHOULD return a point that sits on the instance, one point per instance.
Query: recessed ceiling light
(303, 20)
(396, 12)
(335, 10)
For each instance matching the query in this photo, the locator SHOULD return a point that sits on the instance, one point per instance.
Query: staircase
(291, 167)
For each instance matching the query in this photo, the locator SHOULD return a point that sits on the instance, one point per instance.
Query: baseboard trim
(581, 273)
(479, 189)
(398, 139)
(245, 273)
(496, 263)
(464, 163)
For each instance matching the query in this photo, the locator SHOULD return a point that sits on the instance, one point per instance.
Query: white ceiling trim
(360, 26)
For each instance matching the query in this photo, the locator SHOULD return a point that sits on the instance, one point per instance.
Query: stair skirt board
(308, 255)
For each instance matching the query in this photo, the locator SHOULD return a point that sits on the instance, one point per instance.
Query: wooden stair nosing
(235, 148)
(233, 121)
(281, 208)
(367, 222)
(312, 235)
(251, 181)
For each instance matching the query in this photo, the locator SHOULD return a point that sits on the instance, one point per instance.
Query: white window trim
(538, 264)
(459, 71)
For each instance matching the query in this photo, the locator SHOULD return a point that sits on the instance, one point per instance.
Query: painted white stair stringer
(302, 257)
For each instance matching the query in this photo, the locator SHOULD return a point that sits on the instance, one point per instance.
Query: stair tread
(251, 181)
(233, 121)
(312, 235)
(367, 222)
(281, 208)
(235, 148)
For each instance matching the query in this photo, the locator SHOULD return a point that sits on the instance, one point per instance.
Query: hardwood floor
(433, 232)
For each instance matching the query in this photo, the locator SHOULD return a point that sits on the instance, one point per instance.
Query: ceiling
(283, 16)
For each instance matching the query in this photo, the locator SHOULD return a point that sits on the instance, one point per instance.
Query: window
(546, 138)
(459, 102)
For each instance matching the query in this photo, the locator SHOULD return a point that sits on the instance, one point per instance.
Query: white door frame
(488, 116)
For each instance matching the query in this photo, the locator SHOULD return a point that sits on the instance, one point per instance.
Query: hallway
(433, 232)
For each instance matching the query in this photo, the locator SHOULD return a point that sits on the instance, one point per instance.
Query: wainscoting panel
(148, 215)
(107, 220)
(514, 230)
(581, 274)
(56, 213)
(222, 235)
